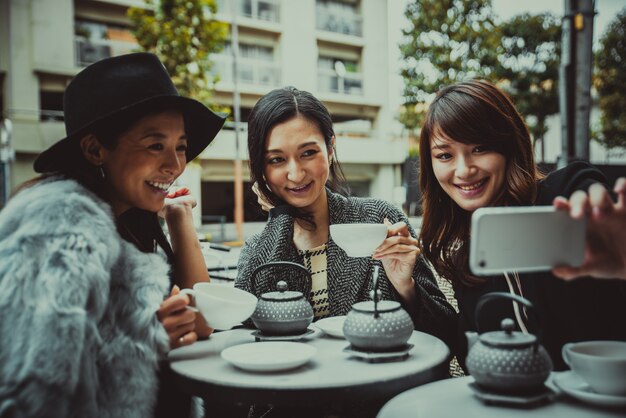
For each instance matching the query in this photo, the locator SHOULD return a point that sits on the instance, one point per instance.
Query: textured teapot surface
(282, 312)
(508, 361)
(390, 329)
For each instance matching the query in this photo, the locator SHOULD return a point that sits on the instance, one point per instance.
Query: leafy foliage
(529, 67)
(455, 40)
(182, 33)
(447, 41)
(610, 82)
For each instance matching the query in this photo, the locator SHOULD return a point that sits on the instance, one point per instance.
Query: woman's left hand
(398, 254)
(178, 199)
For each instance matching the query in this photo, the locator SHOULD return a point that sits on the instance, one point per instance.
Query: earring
(101, 171)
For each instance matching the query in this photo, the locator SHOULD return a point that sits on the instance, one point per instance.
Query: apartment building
(336, 49)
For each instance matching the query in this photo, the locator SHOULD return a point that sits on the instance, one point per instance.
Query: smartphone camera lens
(482, 263)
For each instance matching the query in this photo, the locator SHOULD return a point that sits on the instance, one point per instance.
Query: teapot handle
(499, 295)
(288, 264)
(375, 290)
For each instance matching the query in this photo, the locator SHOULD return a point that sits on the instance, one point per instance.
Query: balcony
(329, 81)
(249, 71)
(265, 10)
(339, 18)
(88, 51)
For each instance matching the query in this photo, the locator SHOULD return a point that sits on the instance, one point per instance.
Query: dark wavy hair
(279, 106)
(471, 112)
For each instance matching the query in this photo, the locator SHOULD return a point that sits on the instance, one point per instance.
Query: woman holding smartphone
(475, 151)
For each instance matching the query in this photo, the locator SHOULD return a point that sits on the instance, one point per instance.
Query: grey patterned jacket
(79, 333)
(349, 279)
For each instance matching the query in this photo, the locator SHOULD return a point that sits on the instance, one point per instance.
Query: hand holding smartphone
(524, 239)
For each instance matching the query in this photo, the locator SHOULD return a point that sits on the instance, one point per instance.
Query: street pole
(238, 186)
(575, 80)
(583, 24)
(567, 71)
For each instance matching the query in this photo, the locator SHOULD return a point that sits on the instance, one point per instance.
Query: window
(51, 106)
(255, 65)
(339, 17)
(339, 75)
(255, 9)
(224, 205)
(95, 41)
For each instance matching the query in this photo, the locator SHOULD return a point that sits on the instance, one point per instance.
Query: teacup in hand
(358, 240)
(602, 364)
(222, 305)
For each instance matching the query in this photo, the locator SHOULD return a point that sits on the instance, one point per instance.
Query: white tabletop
(330, 375)
(454, 398)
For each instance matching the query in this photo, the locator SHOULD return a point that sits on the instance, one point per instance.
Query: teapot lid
(507, 337)
(282, 295)
(383, 306)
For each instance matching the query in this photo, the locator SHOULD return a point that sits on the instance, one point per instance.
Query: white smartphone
(524, 239)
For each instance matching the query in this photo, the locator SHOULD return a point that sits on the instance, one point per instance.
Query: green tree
(610, 82)
(447, 41)
(183, 34)
(529, 68)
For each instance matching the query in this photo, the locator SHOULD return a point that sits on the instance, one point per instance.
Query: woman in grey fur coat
(86, 270)
(291, 144)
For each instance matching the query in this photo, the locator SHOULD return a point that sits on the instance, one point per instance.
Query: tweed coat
(349, 279)
(79, 333)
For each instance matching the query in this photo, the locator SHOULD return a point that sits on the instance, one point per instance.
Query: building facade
(336, 49)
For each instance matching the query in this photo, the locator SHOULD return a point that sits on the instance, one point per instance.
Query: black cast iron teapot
(284, 311)
(377, 325)
(506, 360)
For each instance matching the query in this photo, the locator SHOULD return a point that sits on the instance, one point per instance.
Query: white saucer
(572, 384)
(310, 333)
(332, 326)
(269, 356)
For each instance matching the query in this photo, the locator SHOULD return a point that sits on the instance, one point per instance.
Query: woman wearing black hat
(85, 263)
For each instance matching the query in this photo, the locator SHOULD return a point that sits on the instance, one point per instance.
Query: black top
(143, 229)
(584, 309)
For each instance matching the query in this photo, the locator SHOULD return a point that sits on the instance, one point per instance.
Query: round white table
(453, 398)
(331, 376)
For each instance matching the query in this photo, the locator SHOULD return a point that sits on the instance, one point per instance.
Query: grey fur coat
(79, 333)
(349, 279)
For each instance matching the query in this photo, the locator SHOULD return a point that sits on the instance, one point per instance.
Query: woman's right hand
(605, 252)
(179, 322)
(265, 205)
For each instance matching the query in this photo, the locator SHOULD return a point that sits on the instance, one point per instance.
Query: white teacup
(222, 305)
(602, 364)
(358, 240)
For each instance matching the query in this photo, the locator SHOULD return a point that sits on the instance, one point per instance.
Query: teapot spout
(472, 337)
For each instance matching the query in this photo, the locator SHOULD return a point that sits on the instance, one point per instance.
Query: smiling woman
(86, 268)
(298, 178)
(144, 162)
(480, 154)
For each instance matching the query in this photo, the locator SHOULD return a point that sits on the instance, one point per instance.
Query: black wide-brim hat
(121, 87)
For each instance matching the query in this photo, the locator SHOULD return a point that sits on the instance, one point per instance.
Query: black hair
(279, 106)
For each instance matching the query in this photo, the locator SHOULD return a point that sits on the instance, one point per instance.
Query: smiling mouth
(299, 188)
(473, 186)
(164, 187)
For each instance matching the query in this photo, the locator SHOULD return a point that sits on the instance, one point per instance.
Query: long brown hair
(471, 112)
